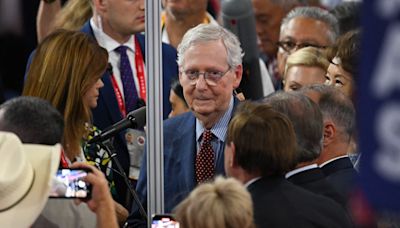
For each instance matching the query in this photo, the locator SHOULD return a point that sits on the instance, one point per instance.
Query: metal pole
(154, 115)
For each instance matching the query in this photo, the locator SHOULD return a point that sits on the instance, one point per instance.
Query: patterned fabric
(130, 93)
(204, 166)
(98, 157)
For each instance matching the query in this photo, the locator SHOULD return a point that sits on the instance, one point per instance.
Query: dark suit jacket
(314, 181)
(342, 175)
(279, 203)
(107, 111)
(179, 159)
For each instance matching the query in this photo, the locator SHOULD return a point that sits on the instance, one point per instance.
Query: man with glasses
(210, 68)
(304, 27)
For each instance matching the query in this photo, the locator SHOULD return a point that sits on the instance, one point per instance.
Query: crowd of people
(287, 159)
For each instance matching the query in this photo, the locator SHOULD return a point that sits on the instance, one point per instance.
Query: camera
(167, 221)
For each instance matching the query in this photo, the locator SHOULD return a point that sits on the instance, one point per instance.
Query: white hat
(26, 172)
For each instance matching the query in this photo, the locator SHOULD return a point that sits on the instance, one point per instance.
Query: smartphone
(69, 184)
(166, 220)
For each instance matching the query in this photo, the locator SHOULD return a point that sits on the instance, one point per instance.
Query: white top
(110, 45)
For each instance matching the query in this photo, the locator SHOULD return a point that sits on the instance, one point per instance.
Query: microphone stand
(109, 148)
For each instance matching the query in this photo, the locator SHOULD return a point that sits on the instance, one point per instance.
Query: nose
(141, 6)
(201, 82)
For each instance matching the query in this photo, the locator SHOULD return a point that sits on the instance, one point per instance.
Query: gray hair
(306, 119)
(317, 14)
(335, 106)
(206, 33)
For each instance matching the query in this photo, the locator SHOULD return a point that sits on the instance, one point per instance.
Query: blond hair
(225, 203)
(308, 56)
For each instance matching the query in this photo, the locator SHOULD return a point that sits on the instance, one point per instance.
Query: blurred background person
(304, 67)
(178, 102)
(343, 69)
(269, 15)
(223, 203)
(348, 14)
(303, 27)
(52, 15)
(181, 15)
(262, 164)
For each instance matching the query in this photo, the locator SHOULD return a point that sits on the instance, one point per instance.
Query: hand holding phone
(70, 184)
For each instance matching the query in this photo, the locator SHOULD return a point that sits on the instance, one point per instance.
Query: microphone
(238, 17)
(134, 119)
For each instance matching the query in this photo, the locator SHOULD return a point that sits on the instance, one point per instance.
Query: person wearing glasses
(210, 68)
(305, 27)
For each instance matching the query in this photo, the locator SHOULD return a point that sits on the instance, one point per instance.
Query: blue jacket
(107, 111)
(179, 159)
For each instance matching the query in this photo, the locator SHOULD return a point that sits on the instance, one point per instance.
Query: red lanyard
(63, 160)
(139, 64)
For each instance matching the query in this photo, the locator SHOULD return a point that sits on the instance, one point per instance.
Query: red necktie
(204, 166)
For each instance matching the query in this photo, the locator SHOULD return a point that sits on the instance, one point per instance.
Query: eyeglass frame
(297, 46)
(205, 75)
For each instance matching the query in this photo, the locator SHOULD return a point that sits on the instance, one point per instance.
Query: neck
(333, 150)
(177, 26)
(107, 29)
(210, 120)
(243, 176)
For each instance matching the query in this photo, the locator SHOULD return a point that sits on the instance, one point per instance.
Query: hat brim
(45, 161)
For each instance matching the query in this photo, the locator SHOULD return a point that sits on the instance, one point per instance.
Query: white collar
(248, 183)
(301, 169)
(333, 159)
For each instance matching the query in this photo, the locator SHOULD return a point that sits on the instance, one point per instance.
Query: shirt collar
(107, 42)
(248, 183)
(220, 128)
(333, 159)
(304, 168)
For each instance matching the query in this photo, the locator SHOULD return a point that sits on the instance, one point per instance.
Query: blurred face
(302, 32)
(339, 78)
(299, 76)
(204, 100)
(182, 8)
(91, 96)
(268, 21)
(121, 18)
(177, 104)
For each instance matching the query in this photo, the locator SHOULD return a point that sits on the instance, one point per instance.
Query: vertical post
(154, 115)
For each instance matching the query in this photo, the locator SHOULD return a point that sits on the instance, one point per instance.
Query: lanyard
(139, 64)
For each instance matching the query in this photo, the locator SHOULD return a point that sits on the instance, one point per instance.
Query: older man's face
(207, 100)
(302, 31)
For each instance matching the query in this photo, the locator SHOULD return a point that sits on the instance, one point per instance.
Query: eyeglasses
(211, 77)
(290, 46)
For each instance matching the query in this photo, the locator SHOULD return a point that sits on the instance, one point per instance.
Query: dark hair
(348, 15)
(347, 48)
(178, 90)
(273, 141)
(306, 118)
(32, 119)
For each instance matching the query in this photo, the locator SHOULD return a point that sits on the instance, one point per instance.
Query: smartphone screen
(166, 221)
(68, 183)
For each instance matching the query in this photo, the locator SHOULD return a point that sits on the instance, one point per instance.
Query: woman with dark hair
(177, 100)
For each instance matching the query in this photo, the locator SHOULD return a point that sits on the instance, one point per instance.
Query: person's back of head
(224, 203)
(335, 106)
(306, 119)
(32, 119)
(264, 140)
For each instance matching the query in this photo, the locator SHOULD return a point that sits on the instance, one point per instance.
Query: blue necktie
(130, 93)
